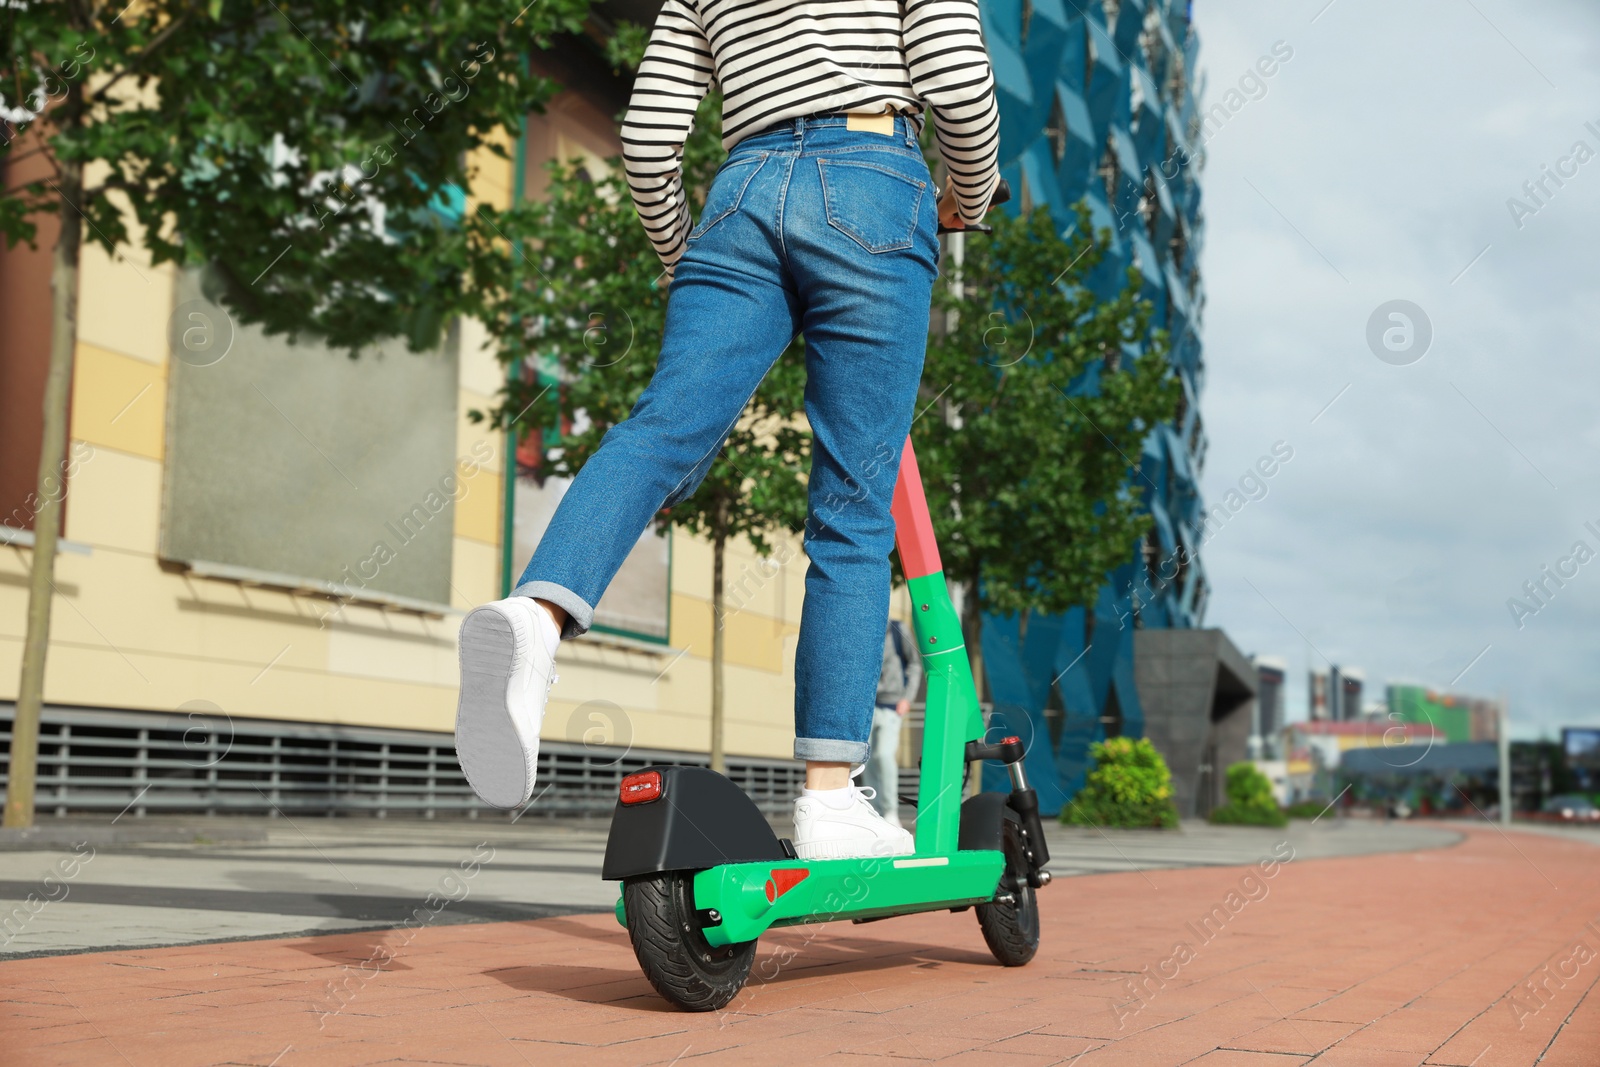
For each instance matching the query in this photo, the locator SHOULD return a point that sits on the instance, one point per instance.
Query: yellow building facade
(135, 632)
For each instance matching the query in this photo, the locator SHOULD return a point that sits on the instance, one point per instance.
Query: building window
(359, 501)
(1176, 79)
(1152, 558)
(1153, 45)
(1110, 173)
(1181, 579)
(1056, 132)
(1147, 206)
(638, 602)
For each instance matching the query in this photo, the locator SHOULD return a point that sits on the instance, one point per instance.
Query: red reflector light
(1011, 740)
(641, 787)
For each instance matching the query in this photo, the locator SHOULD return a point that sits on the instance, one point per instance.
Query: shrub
(1250, 799)
(1306, 809)
(1234, 815)
(1130, 787)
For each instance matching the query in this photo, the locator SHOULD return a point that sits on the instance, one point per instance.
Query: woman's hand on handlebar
(949, 212)
(950, 215)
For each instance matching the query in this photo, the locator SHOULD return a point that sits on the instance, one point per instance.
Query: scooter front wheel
(672, 951)
(1010, 922)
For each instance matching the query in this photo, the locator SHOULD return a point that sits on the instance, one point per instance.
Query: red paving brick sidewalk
(1456, 956)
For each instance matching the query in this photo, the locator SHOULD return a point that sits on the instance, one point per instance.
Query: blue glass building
(1097, 103)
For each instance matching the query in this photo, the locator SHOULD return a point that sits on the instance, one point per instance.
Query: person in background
(897, 685)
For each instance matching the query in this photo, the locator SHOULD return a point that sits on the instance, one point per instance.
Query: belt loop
(799, 132)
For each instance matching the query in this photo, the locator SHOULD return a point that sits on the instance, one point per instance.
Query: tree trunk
(719, 548)
(47, 520)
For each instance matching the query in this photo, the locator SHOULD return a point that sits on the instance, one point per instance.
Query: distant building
(1460, 718)
(1315, 750)
(1266, 741)
(1484, 719)
(1277, 772)
(1318, 703)
(1348, 692)
(1336, 693)
(1440, 779)
(1580, 750)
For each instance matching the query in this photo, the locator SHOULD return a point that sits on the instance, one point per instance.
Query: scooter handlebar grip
(1002, 193)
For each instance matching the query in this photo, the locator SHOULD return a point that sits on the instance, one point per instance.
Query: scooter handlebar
(1002, 193)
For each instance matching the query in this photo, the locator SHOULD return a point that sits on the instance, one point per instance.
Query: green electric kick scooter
(703, 875)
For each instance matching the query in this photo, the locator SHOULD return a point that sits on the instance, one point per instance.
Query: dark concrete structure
(1198, 693)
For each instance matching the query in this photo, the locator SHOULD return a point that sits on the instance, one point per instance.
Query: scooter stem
(952, 716)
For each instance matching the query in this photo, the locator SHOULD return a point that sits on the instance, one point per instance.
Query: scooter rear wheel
(1011, 930)
(672, 951)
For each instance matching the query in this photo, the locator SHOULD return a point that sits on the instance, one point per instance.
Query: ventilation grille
(95, 761)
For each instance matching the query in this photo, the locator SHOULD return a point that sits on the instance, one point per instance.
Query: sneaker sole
(499, 764)
(845, 850)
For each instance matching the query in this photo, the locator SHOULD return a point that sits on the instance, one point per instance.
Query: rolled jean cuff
(829, 750)
(580, 614)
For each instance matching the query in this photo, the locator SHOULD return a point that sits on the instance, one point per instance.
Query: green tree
(295, 148)
(580, 297)
(1129, 787)
(1042, 395)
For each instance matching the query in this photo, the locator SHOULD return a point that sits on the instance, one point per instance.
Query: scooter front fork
(1024, 800)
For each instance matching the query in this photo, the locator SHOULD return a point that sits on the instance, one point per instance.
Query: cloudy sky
(1376, 165)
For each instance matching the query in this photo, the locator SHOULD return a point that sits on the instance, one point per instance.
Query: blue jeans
(808, 227)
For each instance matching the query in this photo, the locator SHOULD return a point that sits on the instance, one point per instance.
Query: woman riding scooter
(822, 220)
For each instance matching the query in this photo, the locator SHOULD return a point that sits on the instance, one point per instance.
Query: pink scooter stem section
(913, 529)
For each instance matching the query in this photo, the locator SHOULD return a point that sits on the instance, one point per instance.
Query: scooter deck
(750, 898)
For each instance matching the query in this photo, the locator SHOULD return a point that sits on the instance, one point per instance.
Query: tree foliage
(1039, 401)
(296, 148)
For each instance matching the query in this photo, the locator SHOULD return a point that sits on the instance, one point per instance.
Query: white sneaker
(822, 832)
(506, 674)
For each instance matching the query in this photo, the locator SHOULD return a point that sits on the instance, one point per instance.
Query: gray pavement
(1588, 833)
(235, 882)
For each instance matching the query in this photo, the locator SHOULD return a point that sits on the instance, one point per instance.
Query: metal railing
(206, 763)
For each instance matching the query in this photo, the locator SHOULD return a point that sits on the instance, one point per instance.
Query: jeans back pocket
(874, 203)
(727, 190)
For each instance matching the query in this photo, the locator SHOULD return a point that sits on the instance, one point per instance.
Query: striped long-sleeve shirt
(776, 60)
